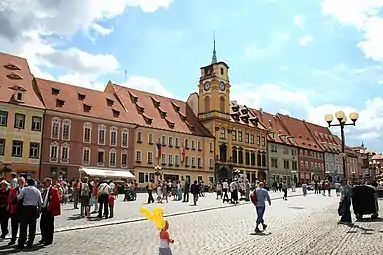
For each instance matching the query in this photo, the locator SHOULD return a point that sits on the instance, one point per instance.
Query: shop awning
(106, 172)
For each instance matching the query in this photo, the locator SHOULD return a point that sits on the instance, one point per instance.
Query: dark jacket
(194, 189)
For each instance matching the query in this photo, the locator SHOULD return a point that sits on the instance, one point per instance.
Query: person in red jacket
(14, 208)
(51, 208)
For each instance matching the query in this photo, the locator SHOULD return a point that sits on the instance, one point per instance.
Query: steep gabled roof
(324, 137)
(243, 115)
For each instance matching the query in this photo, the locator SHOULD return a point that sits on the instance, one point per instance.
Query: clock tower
(214, 90)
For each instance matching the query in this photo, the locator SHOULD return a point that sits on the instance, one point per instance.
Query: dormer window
(59, 103)
(163, 114)
(183, 117)
(133, 97)
(55, 92)
(87, 108)
(254, 121)
(176, 107)
(13, 76)
(245, 118)
(19, 96)
(171, 124)
(12, 67)
(81, 96)
(147, 120)
(116, 113)
(155, 102)
(140, 109)
(109, 102)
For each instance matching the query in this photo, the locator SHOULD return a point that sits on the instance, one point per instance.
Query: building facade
(310, 153)
(168, 140)
(332, 161)
(21, 119)
(83, 128)
(240, 138)
(282, 150)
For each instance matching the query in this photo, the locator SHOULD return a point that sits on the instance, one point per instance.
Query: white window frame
(20, 118)
(36, 120)
(170, 141)
(177, 160)
(84, 162)
(113, 131)
(170, 159)
(193, 144)
(87, 125)
(211, 162)
(177, 142)
(37, 150)
(150, 138)
(148, 159)
(55, 122)
(139, 137)
(51, 147)
(66, 123)
(199, 162)
(112, 152)
(3, 118)
(136, 158)
(101, 127)
(163, 158)
(193, 161)
(101, 163)
(211, 147)
(124, 152)
(125, 132)
(66, 159)
(163, 140)
(199, 145)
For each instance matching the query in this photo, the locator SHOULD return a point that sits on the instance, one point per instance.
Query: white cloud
(369, 137)
(101, 30)
(305, 40)
(253, 51)
(298, 21)
(147, 84)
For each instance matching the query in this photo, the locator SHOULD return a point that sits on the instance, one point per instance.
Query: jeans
(260, 212)
(195, 198)
(346, 216)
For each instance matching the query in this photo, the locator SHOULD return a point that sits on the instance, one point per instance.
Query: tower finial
(214, 58)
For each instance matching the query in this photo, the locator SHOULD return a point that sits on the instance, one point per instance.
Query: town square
(191, 127)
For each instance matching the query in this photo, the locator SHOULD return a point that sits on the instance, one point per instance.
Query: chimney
(261, 110)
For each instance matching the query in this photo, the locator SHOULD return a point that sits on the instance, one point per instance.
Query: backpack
(253, 197)
(85, 190)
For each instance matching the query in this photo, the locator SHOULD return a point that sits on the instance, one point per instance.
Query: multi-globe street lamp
(342, 119)
(157, 172)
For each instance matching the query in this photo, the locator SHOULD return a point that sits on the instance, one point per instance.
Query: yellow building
(241, 139)
(21, 118)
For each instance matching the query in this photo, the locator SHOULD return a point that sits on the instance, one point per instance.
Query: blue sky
(298, 57)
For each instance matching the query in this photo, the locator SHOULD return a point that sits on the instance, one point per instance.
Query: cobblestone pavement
(125, 211)
(209, 232)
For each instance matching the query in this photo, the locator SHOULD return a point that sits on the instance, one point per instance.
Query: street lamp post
(342, 119)
(157, 172)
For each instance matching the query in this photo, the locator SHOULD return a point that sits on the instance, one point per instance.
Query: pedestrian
(85, 193)
(247, 190)
(179, 191)
(32, 201)
(14, 182)
(284, 189)
(149, 189)
(15, 209)
(95, 195)
(234, 191)
(165, 240)
(159, 192)
(186, 191)
(194, 189)
(103, 198)
(345, 203)
(111, 200)
(225, 188)
(165, 194)
(218, 189)
(328, 188)
(51, 207)
(337, 189)
(259, 197)
(304, 188)
(4, 215)
(76, 192)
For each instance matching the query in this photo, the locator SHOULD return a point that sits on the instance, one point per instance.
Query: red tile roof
(298, 129)
(15, 75)
(243, 115)
(151, 110)
(324, 137)
(278, 132)
(81, 101)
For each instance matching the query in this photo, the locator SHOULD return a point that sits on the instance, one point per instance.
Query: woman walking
(179, 191)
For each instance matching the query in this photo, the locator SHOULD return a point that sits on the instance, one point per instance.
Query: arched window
(222, 104)
(207, 104)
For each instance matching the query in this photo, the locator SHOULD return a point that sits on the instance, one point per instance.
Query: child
(165, 240)
(111, 205)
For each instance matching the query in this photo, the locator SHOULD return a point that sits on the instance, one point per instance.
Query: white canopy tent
(106, 172)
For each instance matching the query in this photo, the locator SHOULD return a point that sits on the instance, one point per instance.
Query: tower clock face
(222, 86)
(207, 86)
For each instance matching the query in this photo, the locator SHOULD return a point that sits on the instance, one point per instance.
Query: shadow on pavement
(260, 234)
(75, 217)
(13, 249)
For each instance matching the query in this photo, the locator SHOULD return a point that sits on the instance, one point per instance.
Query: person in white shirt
(14, 182)
(112, 187)
(234, 191)
(225, 189)
(103, 198)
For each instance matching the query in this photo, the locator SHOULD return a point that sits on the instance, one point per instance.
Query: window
(239, 136)
(293, 152)
(150, 138)
(193, 161)
(274, 148)
(211, 147)
(258, 140)
(3, 118)
(150, 157)
(285, 151)
(34, 150)
(19, 121)
(138, 156)
(247, 138)
(163, 158)
(199, 145)
(100, 157)
(53, 152)
(294, 165)
(55, 128)
(177, 142)
(86, 156)
(193, 144)
(170, 141)
(101, 134)
(274, 162)
(124, 159)
(2, 147)
(286, 164)
(66, 129)
(252, 139)
(199, 178)
(177, 160)
(222, 133)
(170, 159)
(234, 135)
(211, 162)
(186, 161)
(199, 162)
(64, 153)
(36, 123)
(163, 140)
(124, 138)
(112, 158)
(186, 143)
(87, 132)
(139, 137)
(17, 149)
(263, 141)
(113, 136)
(141, 177)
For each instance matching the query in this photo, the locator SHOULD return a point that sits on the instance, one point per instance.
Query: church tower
(214, 90)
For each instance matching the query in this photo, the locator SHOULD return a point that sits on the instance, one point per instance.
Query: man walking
(149, 189)
(284, 189)
(345, 203)
(195, 191)
(30, 212)
(261, 195)
(186, 191)
(234, 192)
(103, 199)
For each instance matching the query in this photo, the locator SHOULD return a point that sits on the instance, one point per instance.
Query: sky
(298, 57)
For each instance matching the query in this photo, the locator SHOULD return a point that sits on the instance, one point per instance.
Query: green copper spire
(214, 58)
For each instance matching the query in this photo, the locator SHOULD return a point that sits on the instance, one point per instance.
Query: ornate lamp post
(157, 172)
(342, 119)
(376, 167)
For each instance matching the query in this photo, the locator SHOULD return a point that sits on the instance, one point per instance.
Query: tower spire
(214, 58)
